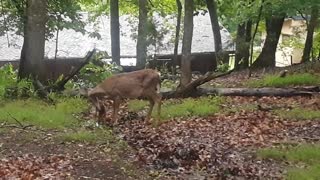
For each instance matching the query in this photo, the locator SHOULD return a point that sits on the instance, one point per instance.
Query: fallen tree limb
(258, 92)
(60, 85)
(192, 86)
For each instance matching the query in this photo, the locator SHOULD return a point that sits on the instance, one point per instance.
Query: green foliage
(223, 67)
(203, 106)
(94, 72)
(300, 114)
(290, 80)
(62, 14)
(38, 113)
(9, 85)
(316, 45)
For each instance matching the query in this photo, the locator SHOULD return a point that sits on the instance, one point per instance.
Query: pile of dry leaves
(30, 166)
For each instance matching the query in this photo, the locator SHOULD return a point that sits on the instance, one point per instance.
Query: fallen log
(258, 92)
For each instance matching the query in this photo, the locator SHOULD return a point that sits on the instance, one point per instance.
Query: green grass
(310, 173)
(299, 114)
(86, 136)
(137, 105)
(290, 80)
(36, 112)
(305, 153)
(203, 106)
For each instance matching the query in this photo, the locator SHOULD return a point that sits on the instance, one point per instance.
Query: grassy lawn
(306, 155)
(203, 106)
(299, 114)
(289, 80)
(36, 112)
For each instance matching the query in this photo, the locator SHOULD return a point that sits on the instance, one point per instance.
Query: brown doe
(137, 84)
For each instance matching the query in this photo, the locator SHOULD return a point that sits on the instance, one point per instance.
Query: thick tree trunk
(33, 49)
(176, 41)
(115, 31)
(248, 40)
(310, 30)
(212, 7)
(186, 45)
(267, 56)
(142, 34)
(240, 45)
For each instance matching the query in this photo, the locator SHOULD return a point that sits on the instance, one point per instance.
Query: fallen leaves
(29, 167)
(223, 145)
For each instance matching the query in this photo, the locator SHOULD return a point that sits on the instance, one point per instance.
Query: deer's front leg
(116, 106)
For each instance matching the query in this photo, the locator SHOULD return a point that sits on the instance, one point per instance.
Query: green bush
(94, 72)
(9, 85)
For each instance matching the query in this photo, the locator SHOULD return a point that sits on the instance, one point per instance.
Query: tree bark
(248, 40)
(267, 57)
(186, 45)
(142, 34)
(59, 86)
(258, 92)
(240, 45)
(176, 42)
(115, 31)
(32, 54)
(310, 31)
(212, 7)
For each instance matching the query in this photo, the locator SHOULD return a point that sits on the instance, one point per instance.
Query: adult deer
(137, 84)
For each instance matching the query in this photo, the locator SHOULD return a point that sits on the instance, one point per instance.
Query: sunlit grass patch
(203, 106)
(137, 105)
(311, 173)
(305, 153)
(36, 112)
(290, 80)
(86, 136)
(299, 114)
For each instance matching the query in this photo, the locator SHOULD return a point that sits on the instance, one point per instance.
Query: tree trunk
(248, 40)
(142, 34)
(32, 54)
(176, 42)
(267, 57)
(115, 31)
(212, 7)
(310, 30)
(186, 45)
(240, 44)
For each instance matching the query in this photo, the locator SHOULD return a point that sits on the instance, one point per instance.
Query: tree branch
(60, 85)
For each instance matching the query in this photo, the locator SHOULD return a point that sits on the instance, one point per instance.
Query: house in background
(291, 41)
(73, 44)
